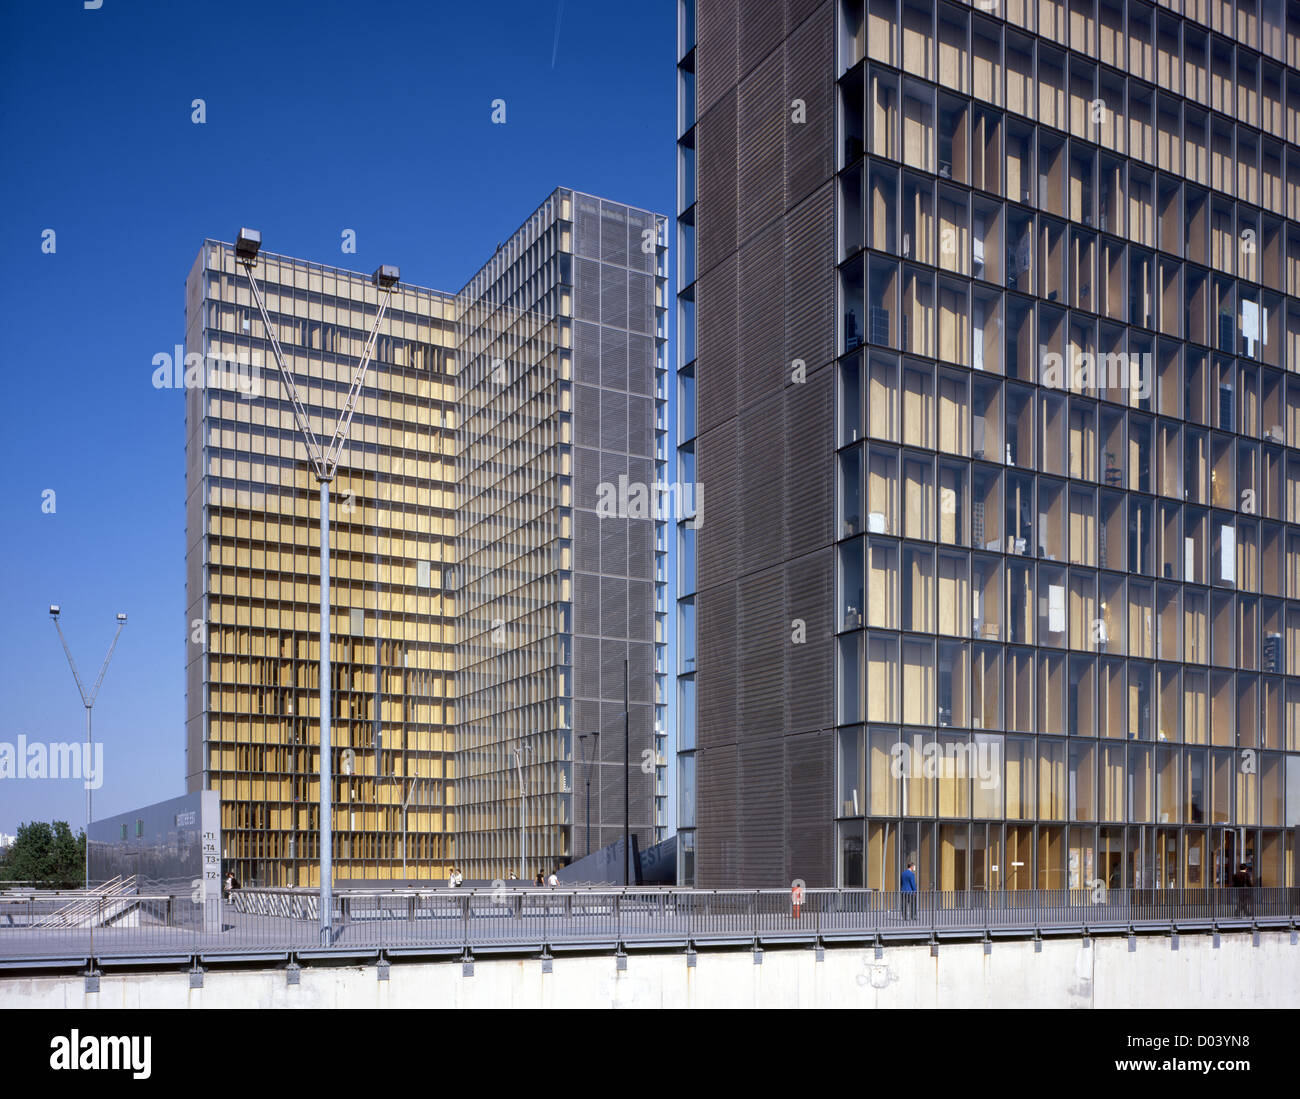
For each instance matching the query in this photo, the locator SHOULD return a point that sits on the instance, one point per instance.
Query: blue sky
(320, 116)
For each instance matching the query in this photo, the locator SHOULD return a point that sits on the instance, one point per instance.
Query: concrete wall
(1065, 974)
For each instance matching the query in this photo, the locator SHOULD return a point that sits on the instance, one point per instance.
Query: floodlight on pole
(247, 245)
(88, 701)
(324, 463)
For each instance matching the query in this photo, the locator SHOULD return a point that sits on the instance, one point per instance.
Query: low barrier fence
(271, 922)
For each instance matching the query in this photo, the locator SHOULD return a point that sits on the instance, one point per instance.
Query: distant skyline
(375, 120)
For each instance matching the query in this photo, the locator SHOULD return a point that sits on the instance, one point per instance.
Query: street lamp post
(410, 789)
(324, 464)
(518, 755)
(582, 738)
(87, 700)
(627, 781)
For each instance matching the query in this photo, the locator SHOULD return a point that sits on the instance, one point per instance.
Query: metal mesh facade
(561, 394)
(756, 394)
(1050, 252)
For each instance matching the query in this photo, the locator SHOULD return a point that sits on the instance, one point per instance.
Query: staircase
(97, 907)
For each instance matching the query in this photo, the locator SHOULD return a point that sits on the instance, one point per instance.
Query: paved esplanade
(268, 923)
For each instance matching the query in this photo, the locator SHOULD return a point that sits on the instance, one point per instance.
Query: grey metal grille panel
(613, 296)
(809, 474)
(586, 603)
(613, 613)
(715, 141)
(809, 689)
(717, 837)
(586, 681)
(612, 466)
(641, 365)
(613, 420)
(586, 353)
(613, 546)
(614, 834)
(640, 611)
(613, 359)
(719, 340)
(586, 226)
(640, 303)
(763, 116)
(637, 224)
(612, 654)
(718, 539)
(640, 791)
(764, 640)
(763, 501)
(762, 336)
(799, 10)
(810, 76)
(586, 290)
(640, 549)
(586, 715)
(762, 24)
(641, 666)
(613, 233)
(586, 476)
(586, 415)
(810, 280)
(761, 764)
(611, 748)
(715, 680)
(641, 470)
(640, 426)
(717, 49)
(809, 801)
(586, 540)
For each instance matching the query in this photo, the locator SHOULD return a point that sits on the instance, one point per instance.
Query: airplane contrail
(559, 15)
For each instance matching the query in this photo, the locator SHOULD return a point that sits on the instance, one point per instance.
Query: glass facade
(1067, 471)
(482, 549)
(686, 469)
(252, 569)
(562, 393)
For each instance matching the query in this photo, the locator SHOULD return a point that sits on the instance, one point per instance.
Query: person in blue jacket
(909, 891)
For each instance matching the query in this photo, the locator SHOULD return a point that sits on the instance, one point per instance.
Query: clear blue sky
(321, 116)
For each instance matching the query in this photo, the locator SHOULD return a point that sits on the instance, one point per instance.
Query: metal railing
(96, 907)
(270, 923)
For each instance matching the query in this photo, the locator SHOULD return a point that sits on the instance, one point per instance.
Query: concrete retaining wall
(1064, 974)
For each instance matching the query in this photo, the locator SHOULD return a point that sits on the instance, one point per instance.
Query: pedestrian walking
(1243, 882)
(553, 881)
(908, 887)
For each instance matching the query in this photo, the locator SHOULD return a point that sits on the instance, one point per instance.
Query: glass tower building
(486, 544)
(252, 571)
(1041, 457)
(562, 392)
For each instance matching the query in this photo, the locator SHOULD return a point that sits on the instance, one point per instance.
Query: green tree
(48, 855)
